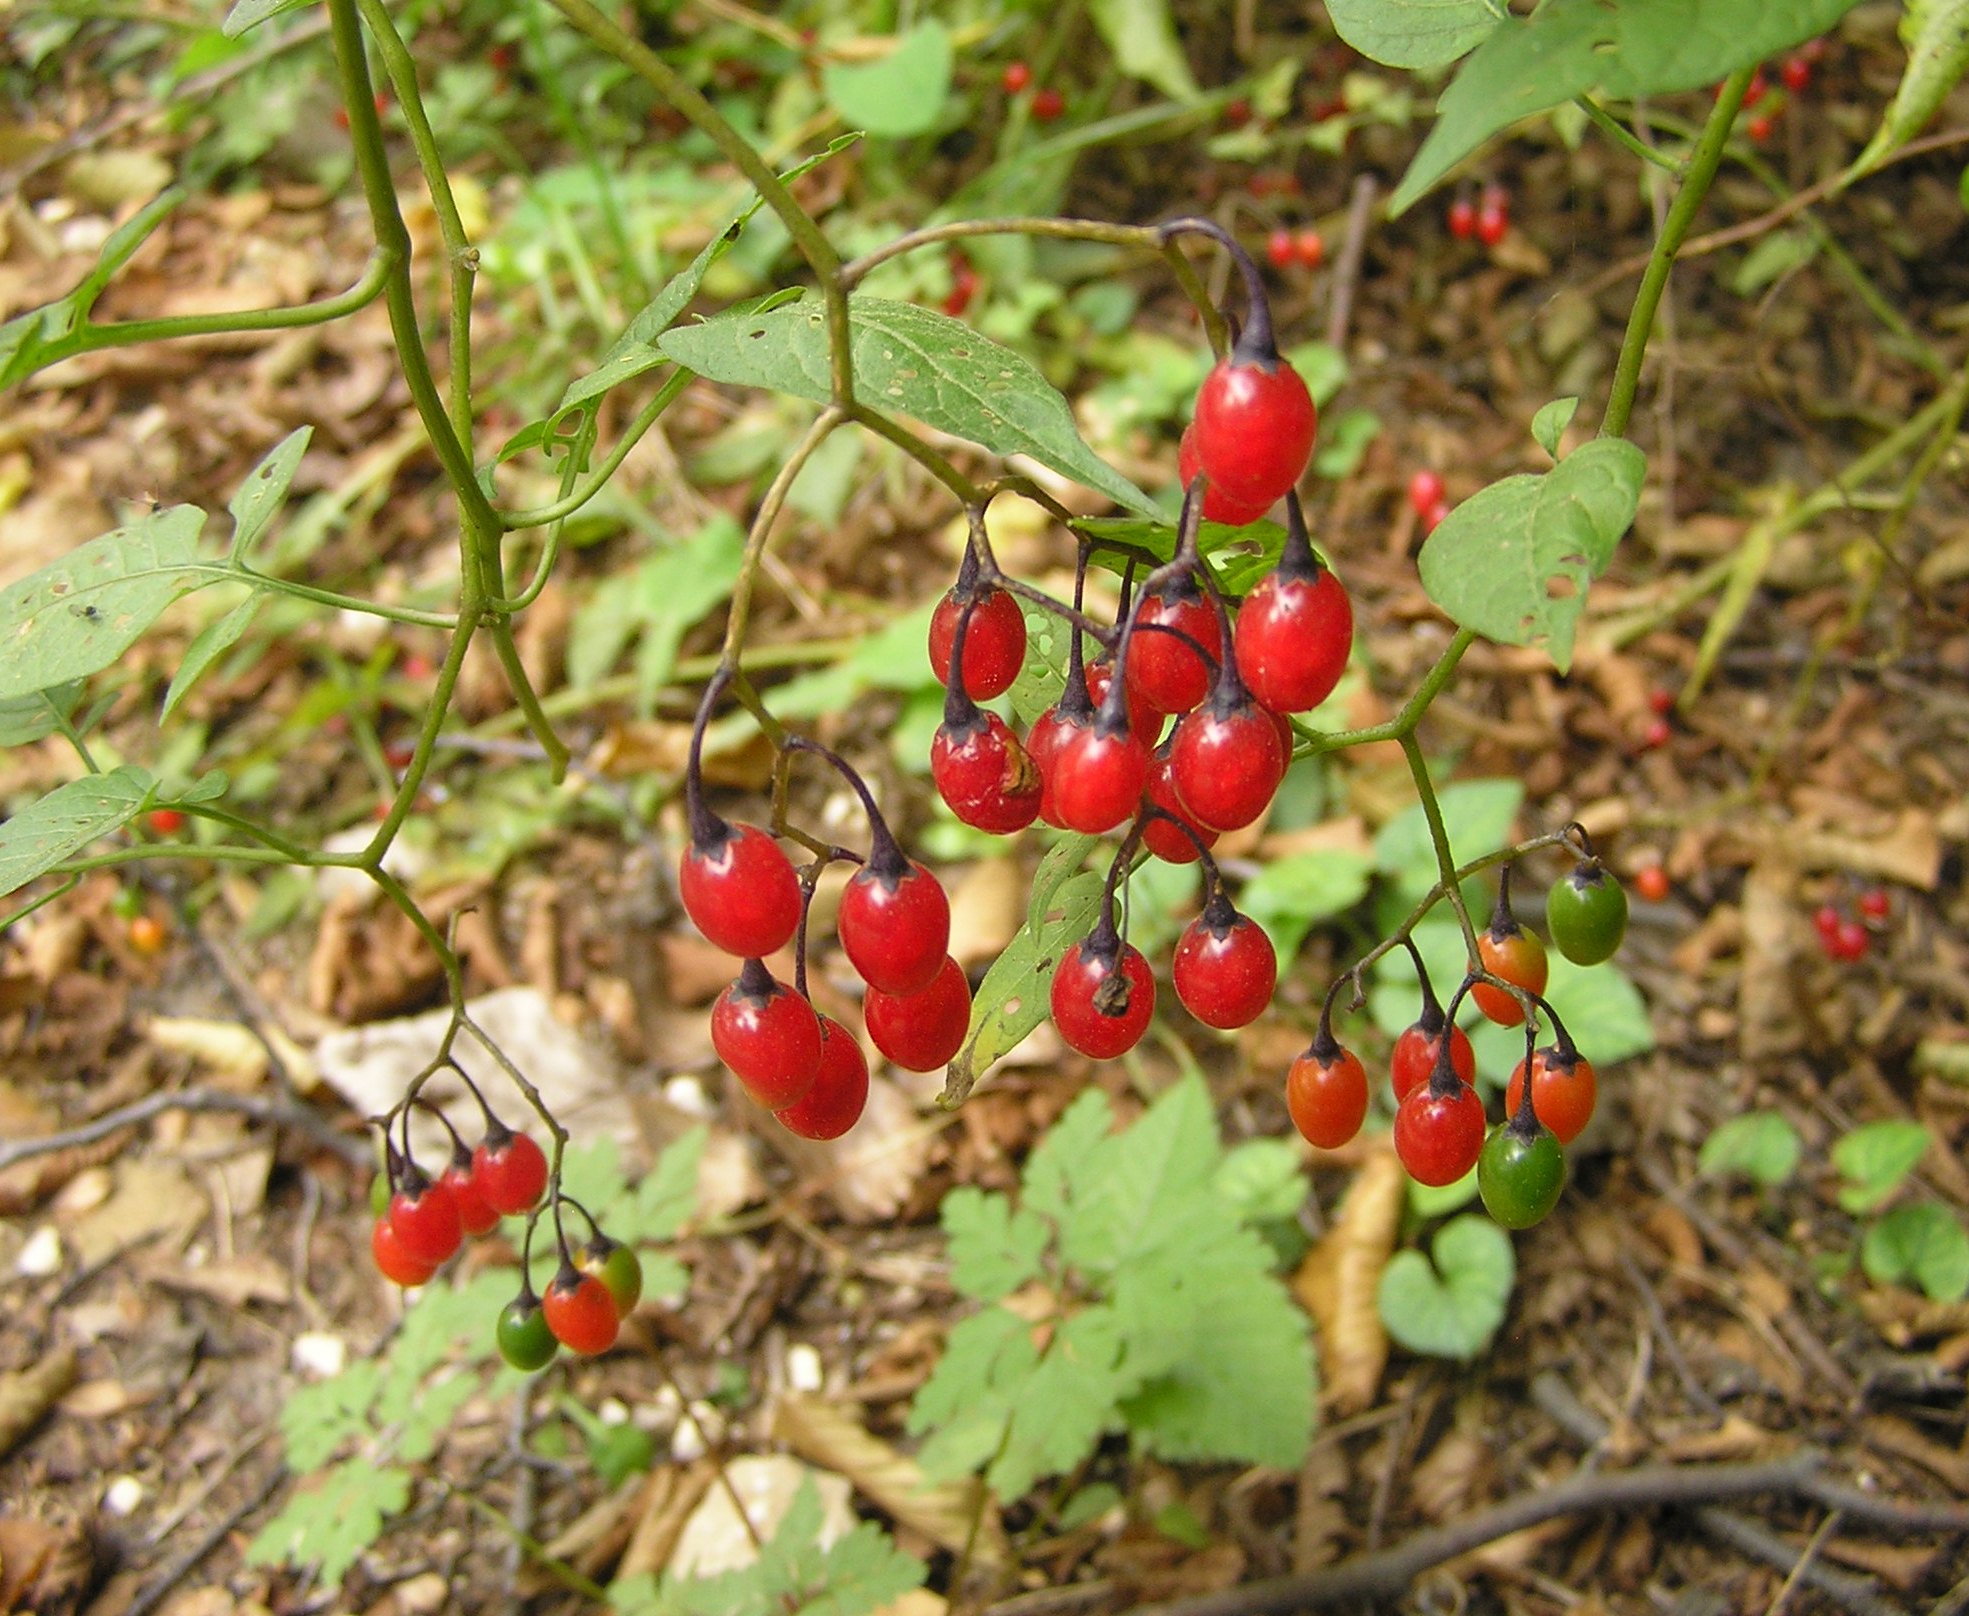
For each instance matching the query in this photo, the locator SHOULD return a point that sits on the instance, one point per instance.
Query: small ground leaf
(1451, 1308)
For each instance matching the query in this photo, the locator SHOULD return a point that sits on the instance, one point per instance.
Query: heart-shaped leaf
(1450, 1310)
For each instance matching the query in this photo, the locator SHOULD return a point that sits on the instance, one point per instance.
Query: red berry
(1414, 1056)
(1310, 248)
(1661, 701)
(1225, 967)
(740, 890)
(1097, 778)
(581, 1312)
(1759, 128)
(417, 667)
(994, 644)
(1518, 957)
(1433, 517)
(1294, 634)
(984, 775)
(476, 1215)
(1656, 735)
(1255, 426)
(166, 821)
(895, 926)
(1327, 1097)
(1425, 492)
(1226, 762)
(1043, 742)
(921, 1031)
(147, 934)
(1439, 1136)
(510, 1170)
(1651, 882)
(1217, 506)
(1492, 225)
(424, 1215)
(1016, 77)
(1160, 837)
(834, 1104)
(1462, 218)
(501, 58)
(1850, 942)
(1164, 669)
(1103, 996)
(1279, 249)
(1758, 85)
(1238, 113)
(768, 1035)
(1563, 1091)
(1048, 105)
(1826, 920)
(1875, 904)
(392, 1261)
(1144, 717)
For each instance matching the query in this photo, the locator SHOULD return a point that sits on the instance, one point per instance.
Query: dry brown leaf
(1444, 1482)
(1898, 1437)
(1338, 1280)
(714, 1539)
(27, 1184)
(951, 1514)
(1906, 1566)
(1768, 1008)
(987, 907)
(44, 1569)
(27, 1394)
(236, 1281)
(667, 1502)
(1735, 1438)
(150, 1199)
(233, 1053)
(1319, 1521)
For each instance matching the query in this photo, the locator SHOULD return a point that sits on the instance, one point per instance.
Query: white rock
(123, 1495)
(42, 1255)
(803, 1368)
(319, 1354)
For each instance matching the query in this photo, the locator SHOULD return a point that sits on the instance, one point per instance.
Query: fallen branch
(270, 1113)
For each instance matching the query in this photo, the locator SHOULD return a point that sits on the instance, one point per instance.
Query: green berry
(619, 1270)
(1587, 913)
(524, 1340)
(1520, 1175)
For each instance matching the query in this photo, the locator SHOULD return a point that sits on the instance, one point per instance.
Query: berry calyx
(1164, 665)
(1564, 1090)
(1103, 994)
(392, 1261)
(510, 1170)
(1521, 1173)
(1225, 967)
(580, 1312)
(1586, 913)
(768, 1035)
(995, 648)
(1439, 1129)
(894, 922)
(524, 1338)
(1419, 1048)
(834, 1104)
(1511, 953)
(424, 1215)
(921, 1031)
(1295, 631)
(618, 1268)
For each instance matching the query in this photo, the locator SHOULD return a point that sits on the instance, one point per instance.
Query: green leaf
(1875, 1159)
(60, 825)
(993, 1250)
(1568, 48)
(1061, 1409)
(907, 361)
(1936, 34)
(431, 1413)
(1289, 895)
(1549, 425)
(80, 614)
(1761, 1144)
(1598, 1002)
(1343, 442)
(666, 594)
(1479, 814)
(1416, 34)
(1450, 1310)
(443, 1316)
(1058, 1171)
(1427, 1201)
(1260, 1181)
(329, 1524)
(25, 719)
(1015, 995)
(1923, 1243)
(1514, 561)
(1137, 1176)
(249, 14)
(902, 94)
(665, 1198)
(257, 500)
(213, 641)
(1142, 36)
(1776, 255)
(316, 1420)
(894, 657)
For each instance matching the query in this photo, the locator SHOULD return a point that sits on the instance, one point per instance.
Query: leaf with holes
(1514, 560)
(913, 362)
(1416, 34)
(79, 615)
(68, 819)
(259, 498)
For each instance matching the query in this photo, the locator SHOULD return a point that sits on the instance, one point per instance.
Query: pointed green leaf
(1760, 1144)
(1549, 425)
(1875, 1159)
(264, 491)
(993, 1250)
(907, 361)
(1936, 33)
(60, 825)
(212, 642)
(81, 614)
(1514, 561)
(24, 719)
(1416, 34)
(249, 14)
(1142, 36)
(901, 94)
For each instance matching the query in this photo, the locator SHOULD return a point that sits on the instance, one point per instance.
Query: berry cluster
(1764, 103)
(1488, 219)
(1441, 1131)
(1844, 938)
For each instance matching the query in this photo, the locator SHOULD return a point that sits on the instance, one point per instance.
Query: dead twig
(270, 1113)
(1347, 272)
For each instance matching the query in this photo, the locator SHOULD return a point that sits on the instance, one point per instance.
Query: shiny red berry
(994, 645)
(1796, 73)
(1425, 491)
(1493, 224)
(1462, 218)
(768, 1035)
(1226, 762)
(984, 775)
(476, 1215)
(1255, 426)
(1294, 634)
(1160, 837)
(1310, 248)
(1016, 77)
(1048, 105)
(894, 925)
(581, 1312)
(1164, 667)
(424, 1215)
(1875, 903)
(1651, 883)
(510, 1170)
(1224, 967)
(1849, 942)
(1217, 505)
(1563, 1091)
(740, 890)
(1414, 1055)
(921, 1031)
(834, 1104)
(1433, 517)
(1097, 778)
(1518, 957)
(1326, 1093)
(166, 821)
(1279, 249)
(1439, 1136)
(394, 1263)
(1103, 996)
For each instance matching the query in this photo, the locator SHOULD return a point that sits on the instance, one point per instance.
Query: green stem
(331, 599)
(460, 254)
(1432, 811)
(1625, 138)
(597, 479)
(1404, 723)
(1701, 171)
(740, 610)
